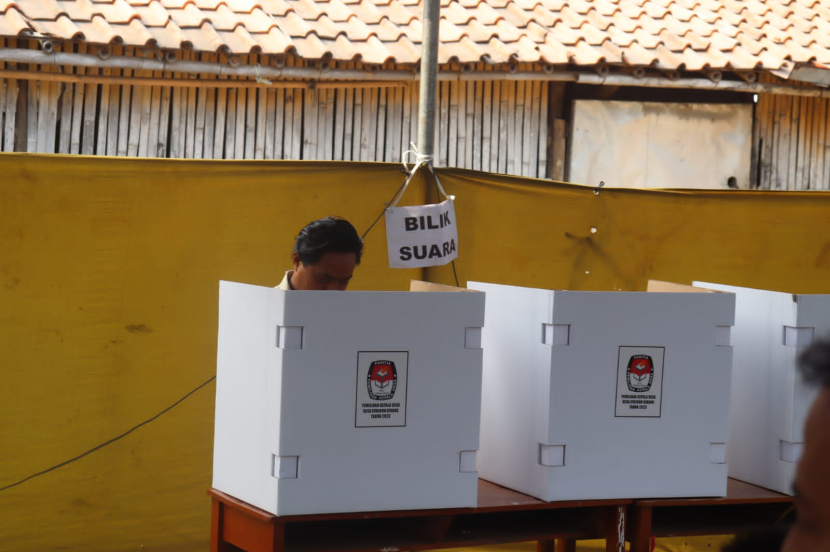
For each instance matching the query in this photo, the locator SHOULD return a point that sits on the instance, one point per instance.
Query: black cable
(386, 207)
(102, 445)
(437, 193)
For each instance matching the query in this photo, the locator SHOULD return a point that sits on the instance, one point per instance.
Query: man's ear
(295, 258)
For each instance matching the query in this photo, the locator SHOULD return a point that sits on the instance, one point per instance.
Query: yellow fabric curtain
(109, 273)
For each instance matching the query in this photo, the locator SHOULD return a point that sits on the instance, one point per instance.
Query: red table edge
(715, 501)
(262, 515)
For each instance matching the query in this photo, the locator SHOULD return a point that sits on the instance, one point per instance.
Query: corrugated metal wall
(789, 142)
(496, 126)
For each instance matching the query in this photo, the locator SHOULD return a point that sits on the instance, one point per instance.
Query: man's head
(811, 531)
(325, 255)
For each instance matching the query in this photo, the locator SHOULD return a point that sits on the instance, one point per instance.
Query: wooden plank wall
(789, 144)
(497, 126)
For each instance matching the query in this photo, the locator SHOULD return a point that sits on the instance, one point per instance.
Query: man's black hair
(327, 234)
(815, 363)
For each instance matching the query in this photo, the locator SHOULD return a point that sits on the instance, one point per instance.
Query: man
(325, 255)
(811, 531)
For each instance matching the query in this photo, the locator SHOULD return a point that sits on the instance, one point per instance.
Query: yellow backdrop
(109, 273)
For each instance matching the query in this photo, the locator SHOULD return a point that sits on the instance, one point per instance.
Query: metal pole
(429, 78)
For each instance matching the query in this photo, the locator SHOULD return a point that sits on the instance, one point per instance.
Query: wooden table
(745, 506)
(501, 516)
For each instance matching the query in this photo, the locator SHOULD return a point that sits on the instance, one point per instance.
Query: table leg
(250, 534)
(277, 537)
(546, 545)
(556, 545)
(639, 526)
(615, 530)
(565, 545)
(217, 544)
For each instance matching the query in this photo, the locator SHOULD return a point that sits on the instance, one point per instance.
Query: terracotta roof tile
(611, 52)
(10, 25)
(355, 30)
(117, 12)
(669, 34)
(192, 17)
(173, 4)
(554, 52)
(63, 26)
(512, 15)
(307, 9)
(554, 5)
(500, 52)
(222, 19)
(449, 32)
(691, 60)
(168, 37)
(564, 34)
(335, 9)
(379, 52)
(295, 25)
(619, 37)
(535, 31)
(754, 47)
(133, 33)
(545, 17)
(367, 12)
(592, 35)
(413, 31)
(242, 6)
(152, 15)
(623, 24)
(278, 8)
(741, 58)
(398, 13)
(44, 9)
(638, 55)
(598, 20)
(457, 15)
(275, 41)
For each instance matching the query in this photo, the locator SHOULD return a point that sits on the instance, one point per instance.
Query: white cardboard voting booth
(769, 399)
(347, 401)
(599, 395)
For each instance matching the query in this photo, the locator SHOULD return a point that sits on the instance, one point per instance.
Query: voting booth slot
(330, 402)
(604, 395)
(659, 286)
(769, 399)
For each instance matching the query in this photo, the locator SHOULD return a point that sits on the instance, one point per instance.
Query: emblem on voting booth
(640, 373)
(422, 235)
(382, 380)
(380, 400)
(640, 382)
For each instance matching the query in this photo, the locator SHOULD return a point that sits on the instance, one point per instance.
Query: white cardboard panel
(275, 406)
(769, 401)
(537, 395)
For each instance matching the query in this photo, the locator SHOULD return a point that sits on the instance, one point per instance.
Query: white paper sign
(424, 235)
(640, 382)
(381, 388)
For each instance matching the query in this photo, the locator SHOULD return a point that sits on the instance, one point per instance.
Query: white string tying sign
(422, 235)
